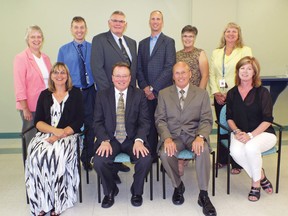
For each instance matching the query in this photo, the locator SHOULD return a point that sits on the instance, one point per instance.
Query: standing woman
(194, 57)
(51, 171)
(249, 115)
(31, 73)
(222, 75)
(199, 67)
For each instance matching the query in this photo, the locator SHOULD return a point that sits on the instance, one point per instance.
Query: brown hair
(239, 42)
(256, 81)
(189, 28)
(78, 19)
(51, 84)
(121, 64)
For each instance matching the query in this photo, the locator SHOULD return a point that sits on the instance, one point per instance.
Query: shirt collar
(185, 89)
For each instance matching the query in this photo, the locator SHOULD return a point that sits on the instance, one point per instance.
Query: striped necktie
(120, 120)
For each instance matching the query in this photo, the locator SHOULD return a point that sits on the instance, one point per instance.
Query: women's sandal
(235, 171)
(266, 184)
(53, 213)
(255, 193)
(220, 165)
(42, 213)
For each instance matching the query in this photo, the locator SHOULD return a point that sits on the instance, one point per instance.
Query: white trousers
(249, 155)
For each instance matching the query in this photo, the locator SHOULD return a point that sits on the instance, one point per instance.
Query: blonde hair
(256, 81)
(33, 28)
(59, 66)
(239, 42)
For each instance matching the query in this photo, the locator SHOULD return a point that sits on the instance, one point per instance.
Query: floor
(13, 200)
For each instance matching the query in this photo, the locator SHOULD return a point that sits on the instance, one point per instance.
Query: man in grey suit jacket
(156, 57)
(106, 51)
(184, 121)
(136, 128)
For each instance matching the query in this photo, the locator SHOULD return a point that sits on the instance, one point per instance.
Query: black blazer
(105, 53)
(137, 122)
(72, 115)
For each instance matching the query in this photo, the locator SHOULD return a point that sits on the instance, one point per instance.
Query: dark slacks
(105, 168)
(88, 97)
(223, 151)
(153, 135)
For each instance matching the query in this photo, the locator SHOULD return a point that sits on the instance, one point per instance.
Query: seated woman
(51, 172)
(249, 115)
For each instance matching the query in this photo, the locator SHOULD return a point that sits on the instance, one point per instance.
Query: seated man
(121, 124)
(184, 121)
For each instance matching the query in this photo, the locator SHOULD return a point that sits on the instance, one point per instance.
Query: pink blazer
(28, 79)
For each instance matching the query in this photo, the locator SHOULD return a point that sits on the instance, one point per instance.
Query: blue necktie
(82, 67)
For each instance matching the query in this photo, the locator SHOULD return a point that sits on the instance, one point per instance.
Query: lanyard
(223, 66)
(81, 56)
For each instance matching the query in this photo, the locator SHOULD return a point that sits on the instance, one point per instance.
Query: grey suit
(105, 53)
(183, 126)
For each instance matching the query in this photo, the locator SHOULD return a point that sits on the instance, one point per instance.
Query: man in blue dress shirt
(76, 55)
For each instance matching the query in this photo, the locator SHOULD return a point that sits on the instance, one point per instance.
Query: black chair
(24, 155)
(124, 158)
(188, 155)
(223, 138)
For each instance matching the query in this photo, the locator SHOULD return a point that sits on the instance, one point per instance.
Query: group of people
(95, 85)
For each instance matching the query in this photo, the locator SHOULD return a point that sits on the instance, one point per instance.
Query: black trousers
(223, 151)
(153, 135)
(105, 168)
(88, 97)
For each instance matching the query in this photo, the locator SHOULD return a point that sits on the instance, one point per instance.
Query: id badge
(222, 83)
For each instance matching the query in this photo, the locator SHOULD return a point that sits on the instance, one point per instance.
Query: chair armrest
(223, 126)
(279, 127)
(27, 130)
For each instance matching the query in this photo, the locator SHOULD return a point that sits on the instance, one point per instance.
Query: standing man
(111, 47)
(156, 57)
(76, 55)
(121, 123)
(184, 121)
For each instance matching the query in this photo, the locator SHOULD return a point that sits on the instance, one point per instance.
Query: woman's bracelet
(236, 131)
(250, 135)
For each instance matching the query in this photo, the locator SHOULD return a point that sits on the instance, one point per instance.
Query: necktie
(128, 61)
(82, 67)
(182, 98)
(120, 120)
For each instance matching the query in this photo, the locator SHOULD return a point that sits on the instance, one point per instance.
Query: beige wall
(263, 24)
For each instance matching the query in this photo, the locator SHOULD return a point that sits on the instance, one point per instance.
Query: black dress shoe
(87, 166)
(108, 200)
(178, 198)
(136, 200)
(117, 179)
(121, 167)
(208, 208)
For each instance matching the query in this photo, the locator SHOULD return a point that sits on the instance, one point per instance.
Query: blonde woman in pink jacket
(31, 73)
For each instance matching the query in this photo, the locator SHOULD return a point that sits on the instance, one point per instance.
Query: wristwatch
(201, 136)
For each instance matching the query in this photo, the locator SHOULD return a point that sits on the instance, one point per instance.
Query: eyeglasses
(118, 21)
(119, 76)
(59, 72)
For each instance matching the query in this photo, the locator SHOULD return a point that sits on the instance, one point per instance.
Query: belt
(84, 89)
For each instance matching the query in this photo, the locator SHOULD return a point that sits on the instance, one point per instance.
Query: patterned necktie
(82, 67)
(182, 98)
(124, 52)
(120, 120)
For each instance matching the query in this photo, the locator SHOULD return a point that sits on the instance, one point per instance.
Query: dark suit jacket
(156, 70)
(137, 123)
(105, 53)
(195, 118)
(72, 115)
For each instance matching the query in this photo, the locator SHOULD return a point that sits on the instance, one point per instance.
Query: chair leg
(79, 172)
(157, 169)
(151, 182)
(163, 182)
(213, 173)
(228, 174)
(99, 188)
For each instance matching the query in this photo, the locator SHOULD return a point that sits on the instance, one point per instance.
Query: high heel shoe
(266, 184)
